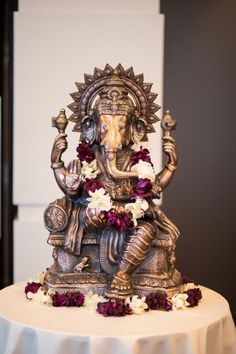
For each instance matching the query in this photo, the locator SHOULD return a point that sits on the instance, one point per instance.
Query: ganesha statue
(108, 232)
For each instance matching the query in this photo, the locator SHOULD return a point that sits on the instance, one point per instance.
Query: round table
(27, 327)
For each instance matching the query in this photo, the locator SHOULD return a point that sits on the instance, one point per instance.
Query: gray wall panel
(199, 80)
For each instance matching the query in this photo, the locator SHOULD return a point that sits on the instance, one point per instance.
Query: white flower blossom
(89, 170)
(188, 286)
(41, 297)
(179, 302)
(91, 300)
(144, 144)
(38, 278)
(99, 200)
(144, 170)
(137, 209)
(136, 304)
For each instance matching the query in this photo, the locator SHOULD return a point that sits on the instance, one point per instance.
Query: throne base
(167, 282)
(143, 283)
(56, 280)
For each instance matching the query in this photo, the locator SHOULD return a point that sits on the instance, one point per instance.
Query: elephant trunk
(112, 168)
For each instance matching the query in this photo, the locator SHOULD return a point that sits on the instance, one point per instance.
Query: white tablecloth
(27, 327)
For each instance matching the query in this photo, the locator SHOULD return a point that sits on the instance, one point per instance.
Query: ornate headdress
(114, 91)
(114, 100)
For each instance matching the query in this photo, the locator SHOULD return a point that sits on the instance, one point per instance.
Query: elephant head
(114, 107)
(114, 125)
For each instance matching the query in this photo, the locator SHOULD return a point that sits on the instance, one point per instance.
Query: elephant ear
(89, 128)
(138, 130)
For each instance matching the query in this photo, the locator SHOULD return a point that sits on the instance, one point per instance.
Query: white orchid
(137, 209)
(41, 296)
(99, 200)
(38, 278)
(144, 144)
(136, 304)
(179, 302)
(144, 170)
(89, 170)
(91, 300)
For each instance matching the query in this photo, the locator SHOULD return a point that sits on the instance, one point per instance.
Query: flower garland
(100, 200)
(189, 296)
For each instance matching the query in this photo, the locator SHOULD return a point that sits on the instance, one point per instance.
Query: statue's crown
(114, 100)
(115, 92)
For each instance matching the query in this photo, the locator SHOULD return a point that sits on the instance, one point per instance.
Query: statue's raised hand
(59, 146)
(170, 150)
(73, 176)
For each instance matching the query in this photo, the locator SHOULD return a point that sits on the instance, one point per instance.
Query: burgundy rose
(92, 184)
(121, 221)
(158, 301)
(142, 154)
(59, 300)
(32, 287)
(69, 299)
(76, 299)
(113, 307)
(194, 296)
(85, 152)
(142, 189)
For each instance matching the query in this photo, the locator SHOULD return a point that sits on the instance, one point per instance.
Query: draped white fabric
(31, 328)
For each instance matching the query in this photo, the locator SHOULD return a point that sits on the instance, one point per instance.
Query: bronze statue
(108, 233)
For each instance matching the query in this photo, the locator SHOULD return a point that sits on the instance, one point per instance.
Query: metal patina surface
(113, 109)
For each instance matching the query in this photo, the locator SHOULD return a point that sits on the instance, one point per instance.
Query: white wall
(55, 43)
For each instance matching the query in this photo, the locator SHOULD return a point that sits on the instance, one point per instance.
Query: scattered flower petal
(136, 304)
(91, 300)
(116, 307)
(113, 307)
(32, 288)
(68, 299)
(76, 298)
(158, 301)
(194, 296)
(179, 302)
(41, 296)
(60, 300)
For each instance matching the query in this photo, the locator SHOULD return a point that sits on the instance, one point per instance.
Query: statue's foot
(121, 281)
(120, 287)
